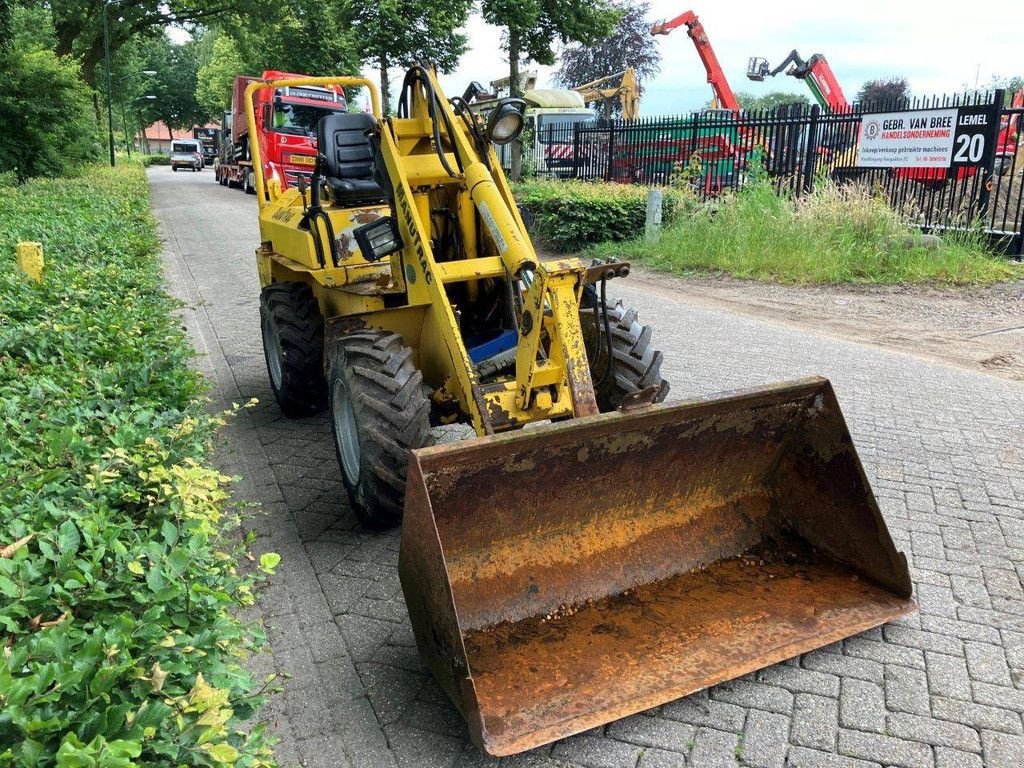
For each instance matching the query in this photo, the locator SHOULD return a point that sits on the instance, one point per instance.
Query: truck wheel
(379, 411)
(637, 363)
(293, 345)
(249, 185)
(174, 168)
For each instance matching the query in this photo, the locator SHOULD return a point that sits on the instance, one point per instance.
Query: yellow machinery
(622, 86)
(621, 555)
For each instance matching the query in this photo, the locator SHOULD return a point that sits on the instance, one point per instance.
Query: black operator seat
(342, 139)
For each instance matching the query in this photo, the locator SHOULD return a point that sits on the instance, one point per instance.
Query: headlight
(506, 121)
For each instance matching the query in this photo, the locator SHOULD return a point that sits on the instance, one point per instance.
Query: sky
(938, 46)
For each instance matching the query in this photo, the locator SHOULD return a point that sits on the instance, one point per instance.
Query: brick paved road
(944, 448)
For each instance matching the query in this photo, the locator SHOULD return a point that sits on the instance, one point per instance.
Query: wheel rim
(345, 433)
(274, 354)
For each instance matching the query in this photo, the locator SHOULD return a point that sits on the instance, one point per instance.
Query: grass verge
(118, 579)
(835, 235)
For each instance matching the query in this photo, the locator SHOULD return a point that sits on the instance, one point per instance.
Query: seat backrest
(342, 139)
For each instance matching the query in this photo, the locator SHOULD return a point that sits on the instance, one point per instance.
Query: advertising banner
(927, 138)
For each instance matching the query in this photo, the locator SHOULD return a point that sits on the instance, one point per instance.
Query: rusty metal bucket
(565, 576)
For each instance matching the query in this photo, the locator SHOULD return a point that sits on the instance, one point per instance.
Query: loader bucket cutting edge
(563, 577)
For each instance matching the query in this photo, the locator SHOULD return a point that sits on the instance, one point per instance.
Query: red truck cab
(286, 120)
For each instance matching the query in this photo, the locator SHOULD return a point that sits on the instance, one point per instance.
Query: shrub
(46, 114)
(118, 574)
(148, 160)
(835, 234)
(570, 215)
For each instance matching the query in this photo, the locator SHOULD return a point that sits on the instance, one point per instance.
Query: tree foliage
(398, 33)
(629, 45)
(174, 85)
(884, 91)
(770, 100)
(215, 76)
(44, 108)
(309, 37)
(79, 25)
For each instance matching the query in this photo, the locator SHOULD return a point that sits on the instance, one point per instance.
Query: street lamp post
(106, 67)
(124, 120)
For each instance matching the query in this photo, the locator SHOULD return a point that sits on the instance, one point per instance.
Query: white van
(186, 153)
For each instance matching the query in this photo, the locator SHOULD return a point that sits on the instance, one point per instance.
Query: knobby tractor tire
(637, 362)
(379, 411)
(293, 345)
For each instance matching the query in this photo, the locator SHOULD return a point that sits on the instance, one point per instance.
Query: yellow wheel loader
(622, 553)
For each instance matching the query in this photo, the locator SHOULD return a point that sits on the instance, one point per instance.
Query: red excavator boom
(716, 77)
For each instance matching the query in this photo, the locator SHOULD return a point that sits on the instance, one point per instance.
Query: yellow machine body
(561, 577)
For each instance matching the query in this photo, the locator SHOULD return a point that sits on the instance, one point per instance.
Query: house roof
(158, 131)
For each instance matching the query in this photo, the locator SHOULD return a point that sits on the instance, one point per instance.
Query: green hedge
(148, 160)
(118, 567)
(570, 215)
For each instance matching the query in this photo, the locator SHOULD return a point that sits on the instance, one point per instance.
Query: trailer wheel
(248, 185)
(637, 363)
(293, 346)
(379, 411)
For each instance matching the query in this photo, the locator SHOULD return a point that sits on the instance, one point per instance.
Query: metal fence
(717, 150)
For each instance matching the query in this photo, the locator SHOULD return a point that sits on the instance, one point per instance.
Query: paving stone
(906, 690)
(747, 693)
(597, 752)
(954, 758)
(1001, 750)
(862, 706)
(713, 749)
(947, 676)
(699, 710)
(987, 664)
(765, 740)
(977, 715)
(648, 731)
(659, 758)
(891, 751)
(801, 757)
(844, 666)
(799, 680)
(815, 722)
(932, 731)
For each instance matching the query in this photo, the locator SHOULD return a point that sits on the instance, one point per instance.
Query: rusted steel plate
(572, 574)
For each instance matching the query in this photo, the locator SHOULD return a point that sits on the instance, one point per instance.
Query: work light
(506, 121)
(378, 239)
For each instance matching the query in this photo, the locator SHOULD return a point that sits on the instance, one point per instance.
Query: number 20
(970, 148)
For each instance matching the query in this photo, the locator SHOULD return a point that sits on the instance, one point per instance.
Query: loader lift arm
(621, 85)
(716, 77)
(815, 71)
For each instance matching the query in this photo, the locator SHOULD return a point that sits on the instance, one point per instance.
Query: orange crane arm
(716, 77)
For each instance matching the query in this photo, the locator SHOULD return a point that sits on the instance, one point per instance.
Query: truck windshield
(557, 129)
(298, 119)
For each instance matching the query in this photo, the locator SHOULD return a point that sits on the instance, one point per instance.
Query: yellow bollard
(30, 260)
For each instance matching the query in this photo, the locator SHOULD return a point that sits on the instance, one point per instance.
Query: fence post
(611, 150)
(652, 227)
(989, 161)
(812, 149)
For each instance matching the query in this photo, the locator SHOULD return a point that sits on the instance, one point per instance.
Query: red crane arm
(716, 77)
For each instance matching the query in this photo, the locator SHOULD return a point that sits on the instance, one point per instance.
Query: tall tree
(398, 33)
(215, 76)
(174, 85)
(883, 92)
(309, 37)
(532, 27)
(771, 100)
(79, 25)
(629, 45)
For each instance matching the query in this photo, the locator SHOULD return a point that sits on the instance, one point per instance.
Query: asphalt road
(943, 446)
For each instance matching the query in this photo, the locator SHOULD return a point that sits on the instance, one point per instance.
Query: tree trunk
(385, 90)
(513, 90)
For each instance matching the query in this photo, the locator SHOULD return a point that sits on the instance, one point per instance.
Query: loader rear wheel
(379, 411)
(637, 363)
(293, 345)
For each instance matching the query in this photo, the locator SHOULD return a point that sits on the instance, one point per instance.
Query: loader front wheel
(379, 411)
(637, 364)
(293, 345)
